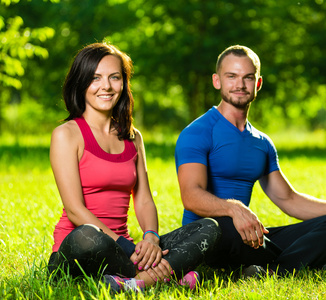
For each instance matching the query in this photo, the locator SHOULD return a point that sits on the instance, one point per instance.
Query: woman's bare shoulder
(68, 131)
(138, 139)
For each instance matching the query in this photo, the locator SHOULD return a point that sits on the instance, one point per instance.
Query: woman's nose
(106, 84)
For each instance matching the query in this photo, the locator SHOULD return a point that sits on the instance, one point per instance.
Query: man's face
(237, 80)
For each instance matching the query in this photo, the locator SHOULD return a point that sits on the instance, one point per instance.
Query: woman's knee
(85, 239)
(88, 245)
(211, 227)
(208, 232)
(210, 223)
(87, 230)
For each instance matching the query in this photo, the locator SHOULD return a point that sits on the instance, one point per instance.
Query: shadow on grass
(309, 152)
(19, 152)
(166, 151)
(39, 155)
(24, 156)
(160, 150)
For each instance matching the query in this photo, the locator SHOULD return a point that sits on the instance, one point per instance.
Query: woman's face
(107, 85)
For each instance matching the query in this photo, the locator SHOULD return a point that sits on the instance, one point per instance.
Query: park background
(174, 47)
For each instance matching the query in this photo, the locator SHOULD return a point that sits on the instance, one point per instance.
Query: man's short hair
(239, 50)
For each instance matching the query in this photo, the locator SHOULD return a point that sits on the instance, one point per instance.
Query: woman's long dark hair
(80, 76)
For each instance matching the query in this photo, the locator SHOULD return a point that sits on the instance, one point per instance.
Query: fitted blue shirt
(235, 159)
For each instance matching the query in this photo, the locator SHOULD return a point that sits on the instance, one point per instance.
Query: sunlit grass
(30, 206)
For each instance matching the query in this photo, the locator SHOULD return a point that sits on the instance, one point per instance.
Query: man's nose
(241, 83)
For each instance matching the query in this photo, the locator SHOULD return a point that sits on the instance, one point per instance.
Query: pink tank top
(107, 181)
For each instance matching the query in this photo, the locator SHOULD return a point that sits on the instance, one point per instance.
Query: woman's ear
(216, 81)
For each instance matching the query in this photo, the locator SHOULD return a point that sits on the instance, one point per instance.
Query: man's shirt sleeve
(193, 146)
(273, 162)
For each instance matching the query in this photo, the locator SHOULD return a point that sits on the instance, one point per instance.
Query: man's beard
(238, 103)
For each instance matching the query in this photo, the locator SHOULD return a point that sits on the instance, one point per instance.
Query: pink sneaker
(118, 284)
(191, 279)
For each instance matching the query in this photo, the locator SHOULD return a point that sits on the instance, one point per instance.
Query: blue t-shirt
(234, 159)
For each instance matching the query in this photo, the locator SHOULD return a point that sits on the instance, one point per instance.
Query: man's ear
(259, 83)
(216, 81)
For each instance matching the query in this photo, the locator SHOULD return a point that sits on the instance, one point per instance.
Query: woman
(98, 160)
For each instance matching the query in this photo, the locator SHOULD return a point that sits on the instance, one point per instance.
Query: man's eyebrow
(232, 73)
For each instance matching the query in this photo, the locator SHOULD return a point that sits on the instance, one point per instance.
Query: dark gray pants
(286, 247)
(97, 253)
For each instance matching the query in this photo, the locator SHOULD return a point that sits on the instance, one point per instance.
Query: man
(221, 155)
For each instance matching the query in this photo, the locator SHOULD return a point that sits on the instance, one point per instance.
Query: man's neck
(236, 116)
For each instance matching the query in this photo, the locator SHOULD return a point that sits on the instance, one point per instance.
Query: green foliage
(29, 117)
(17, 47)
(174, 46)
(179, 42)
(8, 2)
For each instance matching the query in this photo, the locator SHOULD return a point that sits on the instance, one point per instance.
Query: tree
(174, 46)
(18, 44)
(176, 43)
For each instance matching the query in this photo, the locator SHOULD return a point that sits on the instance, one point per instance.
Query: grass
(30, 206)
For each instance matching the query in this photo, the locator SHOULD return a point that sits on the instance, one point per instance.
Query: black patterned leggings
(97, 253)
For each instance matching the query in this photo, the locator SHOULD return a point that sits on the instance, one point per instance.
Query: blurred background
(174, 46)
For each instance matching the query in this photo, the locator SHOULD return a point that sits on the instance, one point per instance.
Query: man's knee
(227, 226)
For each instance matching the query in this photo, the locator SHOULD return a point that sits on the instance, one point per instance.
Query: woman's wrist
(154, 234)
(127, 246)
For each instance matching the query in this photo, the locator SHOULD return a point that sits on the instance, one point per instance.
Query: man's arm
(297, 205)
(193, 187)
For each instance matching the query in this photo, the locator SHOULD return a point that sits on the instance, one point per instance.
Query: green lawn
(30, 207)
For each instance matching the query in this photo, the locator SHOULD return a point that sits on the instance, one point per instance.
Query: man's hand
(247, 224)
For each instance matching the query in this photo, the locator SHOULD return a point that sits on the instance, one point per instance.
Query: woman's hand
(149, 254)
(161, 272)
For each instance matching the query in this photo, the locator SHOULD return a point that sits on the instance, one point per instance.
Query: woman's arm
(66, 150)
(145, 208)
(149, 252)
